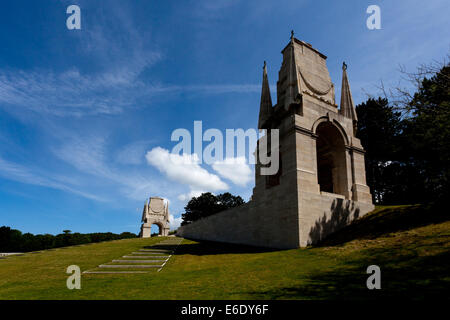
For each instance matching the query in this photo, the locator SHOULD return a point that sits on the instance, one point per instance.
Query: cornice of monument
(303, 43)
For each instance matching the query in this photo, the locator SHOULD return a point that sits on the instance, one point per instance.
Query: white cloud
(189, 195)
(174, 222)
(184, 169)
(234, 169)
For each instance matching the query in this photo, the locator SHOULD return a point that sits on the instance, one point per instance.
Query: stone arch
(160, 226)
(156, 211)
(331, 158)
(335, 123)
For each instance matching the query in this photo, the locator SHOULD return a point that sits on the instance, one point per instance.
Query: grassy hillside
(410, 244)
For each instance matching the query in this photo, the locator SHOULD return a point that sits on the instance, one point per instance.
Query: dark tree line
(12, 240)
(407, 141)
(208, 204)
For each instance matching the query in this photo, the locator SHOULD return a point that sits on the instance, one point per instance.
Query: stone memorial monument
(320, 185)
(156, 211)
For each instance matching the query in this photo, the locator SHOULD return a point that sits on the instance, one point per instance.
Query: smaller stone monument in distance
(156, 211)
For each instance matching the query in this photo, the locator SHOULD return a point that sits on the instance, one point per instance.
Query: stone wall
(261, 226)
(247, 224)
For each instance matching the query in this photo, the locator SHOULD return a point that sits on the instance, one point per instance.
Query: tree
(208, 204)
(14, 241)
(10, 239)
(227, 200)
(379, 128)
(407, 141)
(427, 131)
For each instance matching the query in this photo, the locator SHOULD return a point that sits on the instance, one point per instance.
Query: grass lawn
(410, 244)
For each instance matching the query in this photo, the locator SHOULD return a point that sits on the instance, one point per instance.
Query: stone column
(360, 190)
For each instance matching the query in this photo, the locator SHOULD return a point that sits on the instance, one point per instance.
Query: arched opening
(156, 230)
(331, 160)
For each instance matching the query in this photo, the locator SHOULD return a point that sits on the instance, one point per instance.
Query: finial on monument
(292, 34)
(344, 66)
(265, 109)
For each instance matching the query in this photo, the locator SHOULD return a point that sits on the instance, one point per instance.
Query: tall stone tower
(320, 185)
(155, 212)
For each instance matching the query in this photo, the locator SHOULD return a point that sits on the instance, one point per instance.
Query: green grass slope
(411, 245)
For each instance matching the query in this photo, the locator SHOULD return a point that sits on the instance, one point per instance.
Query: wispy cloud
(114, 85)
(88, 156)
(95, 176)
(133, 153)
(73, 94)
(117, 57)
(66, 94)
(16, 172)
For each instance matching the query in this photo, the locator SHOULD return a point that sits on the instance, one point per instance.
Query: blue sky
(80, 109)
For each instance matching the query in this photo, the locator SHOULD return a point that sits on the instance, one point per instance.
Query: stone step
(138, 261)
(144, 257)
(154, 247)
(5, 254)
(147, 252)
(119, 266)
(113, 272)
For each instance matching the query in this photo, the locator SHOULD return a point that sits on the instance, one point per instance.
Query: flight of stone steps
(148, 259)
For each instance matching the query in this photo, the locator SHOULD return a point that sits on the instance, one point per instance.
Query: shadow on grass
(385, 221)
(404, 277)
(341, 211)
(201, 248)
